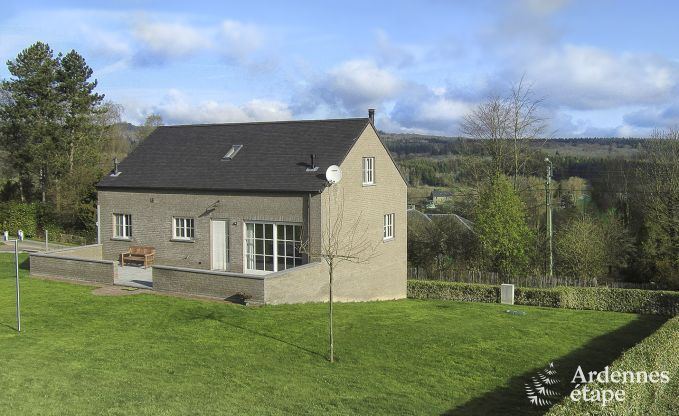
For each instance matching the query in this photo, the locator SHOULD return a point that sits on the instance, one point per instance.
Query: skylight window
(232, 152)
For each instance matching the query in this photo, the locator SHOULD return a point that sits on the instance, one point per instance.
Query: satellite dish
(333, 174)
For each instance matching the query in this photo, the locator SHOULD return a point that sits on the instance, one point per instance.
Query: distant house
(238, 200)
(438, 197)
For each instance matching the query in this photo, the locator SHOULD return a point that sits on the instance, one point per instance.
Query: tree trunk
(71, 154)
(42, 184)
(332, 337)
(21, 189)
(58, 195)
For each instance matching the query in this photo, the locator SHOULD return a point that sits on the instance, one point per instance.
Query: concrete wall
(363, 208)
(152, 214)
(80, 263)
(207, 282)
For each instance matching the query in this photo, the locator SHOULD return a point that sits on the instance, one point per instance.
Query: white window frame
(122, 226)
(388, 233)
(369, 170)
(181, 230)
(275, 251)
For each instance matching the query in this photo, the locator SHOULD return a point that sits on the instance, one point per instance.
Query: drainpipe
(98, 224)
(308, 225)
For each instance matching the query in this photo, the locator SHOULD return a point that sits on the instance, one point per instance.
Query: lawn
(82, 354)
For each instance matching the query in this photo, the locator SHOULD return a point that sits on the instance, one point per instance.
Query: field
(83, 354)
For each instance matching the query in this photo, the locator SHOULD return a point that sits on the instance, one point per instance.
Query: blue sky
(603, 68)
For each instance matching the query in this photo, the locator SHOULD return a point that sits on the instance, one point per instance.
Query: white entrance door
(219, 229)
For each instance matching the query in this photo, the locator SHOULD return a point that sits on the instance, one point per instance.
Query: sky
(600, 68)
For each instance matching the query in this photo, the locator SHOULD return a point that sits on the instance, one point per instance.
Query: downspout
(308, 222)
(98, 224)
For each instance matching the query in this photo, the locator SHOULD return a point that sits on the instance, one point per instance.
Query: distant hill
(407, 145)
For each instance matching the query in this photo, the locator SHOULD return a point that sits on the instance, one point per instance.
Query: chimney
(115, 172)
(371, 115)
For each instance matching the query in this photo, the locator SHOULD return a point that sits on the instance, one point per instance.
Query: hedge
(658, 352)
(462, 292)
(654, 302)
(16, 216)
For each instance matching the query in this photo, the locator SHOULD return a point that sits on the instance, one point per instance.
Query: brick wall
(207, 282)
(80, 263)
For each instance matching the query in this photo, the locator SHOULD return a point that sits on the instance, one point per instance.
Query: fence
(492, 278)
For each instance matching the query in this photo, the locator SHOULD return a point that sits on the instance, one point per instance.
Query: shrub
(461, 292)
(658, 352)
(537, 297)
(47, 219)
(654, 302)
(16, 216)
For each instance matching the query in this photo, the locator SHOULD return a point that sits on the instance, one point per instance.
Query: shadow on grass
(593, 356)
(212, 315)
(25, 264)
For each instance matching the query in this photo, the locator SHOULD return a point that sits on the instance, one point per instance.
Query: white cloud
(177, 108)
(432, 110)
(106, 43)
(163, 40)
(267, 110)
(583, 77)
(238, 40)
(358, 84)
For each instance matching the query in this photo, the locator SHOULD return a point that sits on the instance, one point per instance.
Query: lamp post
(548, 203)
(16, 274)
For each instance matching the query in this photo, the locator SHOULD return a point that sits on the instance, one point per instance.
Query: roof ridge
(266, 122)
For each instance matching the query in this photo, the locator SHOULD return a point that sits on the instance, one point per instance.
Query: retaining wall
(208, 282)
(78, 263)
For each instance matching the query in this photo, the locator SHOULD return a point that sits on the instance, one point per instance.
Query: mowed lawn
(82, 354)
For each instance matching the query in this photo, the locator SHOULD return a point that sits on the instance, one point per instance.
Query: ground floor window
(122, 225)
(270, 247)
(183, 229)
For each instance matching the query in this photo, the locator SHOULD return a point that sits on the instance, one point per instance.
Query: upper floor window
(368, 171)
(122, 225)
(183, 229)
(388, 226)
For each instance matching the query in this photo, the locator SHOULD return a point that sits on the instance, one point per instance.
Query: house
(438, 197)
(230, 202)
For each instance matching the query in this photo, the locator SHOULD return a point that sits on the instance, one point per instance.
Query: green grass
(81, 354)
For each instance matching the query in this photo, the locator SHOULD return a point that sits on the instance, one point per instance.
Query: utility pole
(548, 204)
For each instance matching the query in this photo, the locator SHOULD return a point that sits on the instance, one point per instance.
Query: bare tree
(342, 240)
(507, 127)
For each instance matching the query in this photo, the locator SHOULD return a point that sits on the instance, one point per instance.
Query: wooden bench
(140, 254)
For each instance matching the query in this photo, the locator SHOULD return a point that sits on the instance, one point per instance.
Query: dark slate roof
(274, 157)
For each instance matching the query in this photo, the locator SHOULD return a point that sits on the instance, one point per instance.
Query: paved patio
(134, 276)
